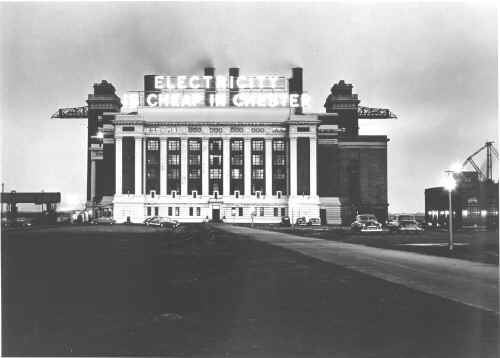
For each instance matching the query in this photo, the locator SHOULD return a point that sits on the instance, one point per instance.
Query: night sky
(434, 65)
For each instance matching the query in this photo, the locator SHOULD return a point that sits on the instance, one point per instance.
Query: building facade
(237, 148)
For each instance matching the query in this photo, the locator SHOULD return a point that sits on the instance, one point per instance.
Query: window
(194, 173)
(215, 173)
(261, 211)
(216, 194)
(174, 145)
(258, 174)
(153, 145)
(195, 194)
(177, 210)
(278, 145)
(275, 211)
(148, 211)
(257, 159)
(215, 145)
(174, 193)
(236, 159)
(257, 194)
(194, 146)
(215, 160)
(302, 129)
(279, 173)
(240, 211)
(190, 211)
(279, 159)
(283, 212)
(237, 146)
(169, 211)
(278, 194)
(152, 193)
(173, 173)
(157, 211)
(128, 129)
(194, 159)
(198, 211)
(258, 145)
(237, 194)
(236, 173)
(173, 159)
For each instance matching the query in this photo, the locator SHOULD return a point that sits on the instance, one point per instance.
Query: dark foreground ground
(128, 290)
(479, 246)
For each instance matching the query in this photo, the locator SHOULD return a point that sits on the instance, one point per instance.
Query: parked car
(103, 220)
(409, 226)
(395, 221)
(314, 222)
(301, 221)
(285, 221)
(148, 220)
(22, 222)
(366, 223)
(164, 222)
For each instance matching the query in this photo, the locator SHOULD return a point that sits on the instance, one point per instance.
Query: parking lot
(480, 246)
(136, 290)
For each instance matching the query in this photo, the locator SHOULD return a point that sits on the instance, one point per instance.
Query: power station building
(233, 147)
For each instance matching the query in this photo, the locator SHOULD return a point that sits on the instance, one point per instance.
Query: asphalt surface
(471, 283)
(129, 290)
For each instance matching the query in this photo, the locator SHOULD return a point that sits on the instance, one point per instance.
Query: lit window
(173, 159)
(215, 173)
(177, 210)
(283, 211)
(257, 159)
(173, 173)
(198, 211)
(237, 146)
(258, 145)
(153, 145)
(279, 159)
(278, 145)
(174, 145)
(275, 211)
(194, 173)
(194, 146)
(236, 173)
(261, 211)
(258, 174)
(194, 159)
(240, 211)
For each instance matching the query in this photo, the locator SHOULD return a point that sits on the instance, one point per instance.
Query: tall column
(204, 166)
(226, 157)
(118, 166)
(184, 166)
(269, 167)
(293, 166)
(163, 166)
(92, 179)
(138, 166)
(248, 166)
(312, 167)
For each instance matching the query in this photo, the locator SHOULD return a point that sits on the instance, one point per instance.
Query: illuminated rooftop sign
(216, 91)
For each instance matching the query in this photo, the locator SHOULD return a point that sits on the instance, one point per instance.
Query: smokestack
(295, 85)
(235, 73)
(209, 71)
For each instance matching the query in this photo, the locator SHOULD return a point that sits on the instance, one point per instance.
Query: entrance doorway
(322, 216)
(216, 215)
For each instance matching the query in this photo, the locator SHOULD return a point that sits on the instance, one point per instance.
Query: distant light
(484, 213)
(465, 213)
(450, 183)
(100, 135)
(456, 167)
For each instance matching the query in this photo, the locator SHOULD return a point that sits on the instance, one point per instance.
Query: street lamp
(450, 184)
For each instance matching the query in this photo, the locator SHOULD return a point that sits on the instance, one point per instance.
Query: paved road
(467, 282)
